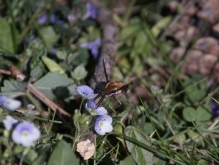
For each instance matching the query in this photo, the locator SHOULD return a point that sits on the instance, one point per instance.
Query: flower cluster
(9, 103)
(103, 123)
(90, 11)
(24, 133)
(92, 46)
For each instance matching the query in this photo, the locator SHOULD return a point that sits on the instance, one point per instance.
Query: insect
(112, 89)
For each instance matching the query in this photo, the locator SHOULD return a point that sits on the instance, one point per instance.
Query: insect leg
(100, 101)
(105, 71)
(114, 97)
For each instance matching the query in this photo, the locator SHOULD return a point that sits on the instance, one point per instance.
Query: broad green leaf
(141, 156)
(30, 157)
(148, 127)
(203, 113)
(12, 94)
(6, 39)
(161, 24)
(128, 161)
(13, 86)
(194, 136)
(50, 81)
(129, 31)
(61, 54)
(52, 65)
(203, 162)
(79, 73)
(62, 30)
(197, 95)
(180, 137)
(79, 57)
(189, 114)
(49, 35)
(161, 162)
(63, 155)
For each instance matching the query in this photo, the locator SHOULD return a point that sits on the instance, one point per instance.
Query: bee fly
(112, 89)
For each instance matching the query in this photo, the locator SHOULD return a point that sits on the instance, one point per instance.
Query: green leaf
(189, 114)
(194, 135)
(51, 81)
(61, 54)
(197, 95)
(203, 162)
(79, 73)
(63, 155)
(129, 31)
(6, 39)
(13, 86)
(128, 161)
(180, 137)
(141, 156)
(48, 35)
(81, 56)
(141, 43)
(161, 24)
(12, 94)
(203, 113)
(52, 65)
(30, 157)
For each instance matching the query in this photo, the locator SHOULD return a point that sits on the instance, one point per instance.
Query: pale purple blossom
(71, 18)
(26, 134)
(90, 105)
(9, 122)
(90, 11)
(9, 103)
(93, 46)
(86, 92)
(100, 111)
(214, 109)
(103, 125)
(43, 19)
(53, 51)
(29, 39)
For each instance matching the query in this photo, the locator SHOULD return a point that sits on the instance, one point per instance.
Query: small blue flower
(53, 51)
(9, 103)
(86, 92)
(71, 18)
(215, 109)
(9, 122)
(93, 47)
(25, 133)
(29, 39)
(90, 105)
(101, 111)
(90, 11)
(103, 125)
(42, 20)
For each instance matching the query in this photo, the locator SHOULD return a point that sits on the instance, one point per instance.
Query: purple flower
(92, 46)
(9, 103)
(90, 105)
(103, 125)
(9, 122)
(25, 133)
(30, 39)
(101, 111)
(86, 92)
(53, 51)
(42, 20)
(215, 109)
(90, 11)
(71, 18)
